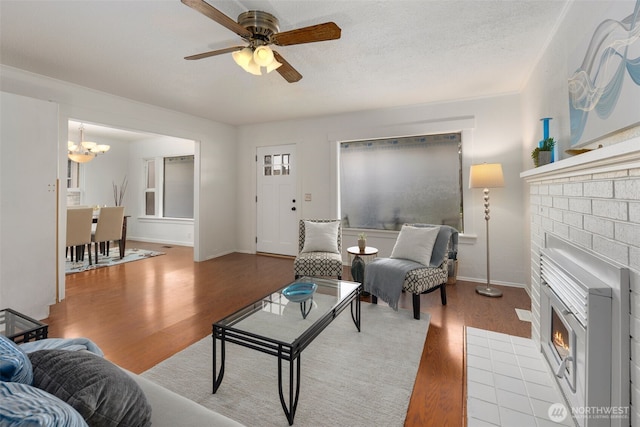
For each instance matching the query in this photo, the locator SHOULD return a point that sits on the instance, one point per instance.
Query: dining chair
(108, 228)
(79, 231)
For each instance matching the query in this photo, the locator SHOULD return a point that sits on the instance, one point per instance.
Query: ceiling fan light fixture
(261, 29)
(263, 56)
(242, 57)
(273, 66)
(253, 68)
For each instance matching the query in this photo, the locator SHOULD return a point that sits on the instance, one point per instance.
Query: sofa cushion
(321, 236)
(25, 405)
(14, 363)
(99, 390)
(415, 243)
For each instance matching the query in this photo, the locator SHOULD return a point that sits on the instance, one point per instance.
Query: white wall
(28, 205)
(215, 219)
(161, 230)
(98, 175)
(546, 94)
(491, 133)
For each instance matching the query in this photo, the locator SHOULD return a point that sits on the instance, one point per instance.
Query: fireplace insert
(561, 341)
(582, 328)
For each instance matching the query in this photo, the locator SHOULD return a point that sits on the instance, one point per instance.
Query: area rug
(347, 378)
(130, 255)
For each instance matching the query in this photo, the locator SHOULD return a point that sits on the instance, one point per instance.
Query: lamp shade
(243, 56)
(253, 68)
(263, 56)
(486, 175)
(273, 66)
(81, 157)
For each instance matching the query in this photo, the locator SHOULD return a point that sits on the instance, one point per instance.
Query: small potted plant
(542, 155)
(362, 241)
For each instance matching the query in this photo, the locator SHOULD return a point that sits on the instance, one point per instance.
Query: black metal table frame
(283, 351)
(39, 331)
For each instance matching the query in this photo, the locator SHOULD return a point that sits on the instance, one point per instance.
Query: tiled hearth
(508, 382)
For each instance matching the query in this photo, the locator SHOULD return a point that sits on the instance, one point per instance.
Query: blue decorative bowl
(299, 292)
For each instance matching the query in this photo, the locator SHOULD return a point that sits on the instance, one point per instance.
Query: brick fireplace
(593, 201)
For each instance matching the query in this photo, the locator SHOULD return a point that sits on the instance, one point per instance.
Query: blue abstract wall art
(607, 83)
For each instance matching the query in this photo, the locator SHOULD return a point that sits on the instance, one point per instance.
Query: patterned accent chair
(426, 280)
(318, 263)
(429, 279)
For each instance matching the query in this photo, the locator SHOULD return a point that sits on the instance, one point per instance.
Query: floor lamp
(487, 175)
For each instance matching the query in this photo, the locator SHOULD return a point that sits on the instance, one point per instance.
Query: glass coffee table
(283, 324)
(21, 328)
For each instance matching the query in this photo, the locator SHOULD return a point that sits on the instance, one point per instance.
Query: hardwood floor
(142, 312)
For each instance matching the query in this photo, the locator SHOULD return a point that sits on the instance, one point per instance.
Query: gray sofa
(170, 409)
(70, 379)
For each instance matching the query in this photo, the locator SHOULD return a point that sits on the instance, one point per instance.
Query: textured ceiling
(392, 53)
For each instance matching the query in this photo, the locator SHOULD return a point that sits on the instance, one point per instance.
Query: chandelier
(85, 151)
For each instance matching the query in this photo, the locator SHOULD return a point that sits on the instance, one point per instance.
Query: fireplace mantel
(623, 155)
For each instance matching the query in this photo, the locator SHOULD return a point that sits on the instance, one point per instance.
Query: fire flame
(558, 340)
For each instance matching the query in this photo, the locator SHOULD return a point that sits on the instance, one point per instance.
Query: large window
(388, 182)
(74, 192)
(169, 187)
(150, 188)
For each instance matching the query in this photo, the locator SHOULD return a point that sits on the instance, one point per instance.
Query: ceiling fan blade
(289, 73)
(214, 53)
(222, 19)
(313, 33)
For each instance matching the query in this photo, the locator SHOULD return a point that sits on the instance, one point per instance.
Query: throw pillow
(442, 242)
(25, 405)
(14, 363)
(415, 243)
(321, 236)
(99, 390)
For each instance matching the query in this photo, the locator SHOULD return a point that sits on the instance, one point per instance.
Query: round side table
(360, 258)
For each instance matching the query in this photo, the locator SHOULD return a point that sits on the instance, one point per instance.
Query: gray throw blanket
(384, 278)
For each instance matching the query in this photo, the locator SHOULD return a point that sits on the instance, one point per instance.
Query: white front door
(277, 204)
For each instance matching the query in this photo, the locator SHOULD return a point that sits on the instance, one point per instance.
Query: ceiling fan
(261, 29)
